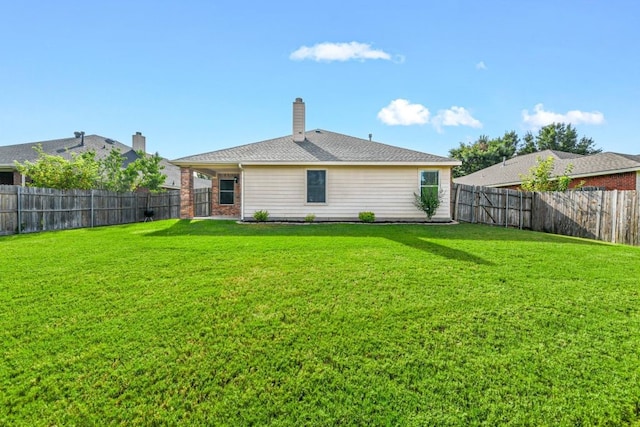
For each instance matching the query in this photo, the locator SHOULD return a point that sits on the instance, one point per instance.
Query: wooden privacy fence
(28, 209)
(610, 216)
(202, 202)
(494, 206)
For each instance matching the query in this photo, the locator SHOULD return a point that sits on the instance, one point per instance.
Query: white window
(316, 186)
(429, 182)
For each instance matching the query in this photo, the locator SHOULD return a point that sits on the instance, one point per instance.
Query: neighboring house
(78, 144)
(608, 171)
(321, 173)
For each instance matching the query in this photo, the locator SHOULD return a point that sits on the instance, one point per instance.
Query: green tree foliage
(150, 171)
(484, 152)
(541, 178)
(114, 176)
(558, 136)
(83, 171)
(80, 172)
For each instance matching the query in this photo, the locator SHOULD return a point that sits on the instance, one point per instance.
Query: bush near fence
(610, 216)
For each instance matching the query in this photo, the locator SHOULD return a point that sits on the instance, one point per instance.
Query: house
(78, 144)
(318, 172)
(607, 171)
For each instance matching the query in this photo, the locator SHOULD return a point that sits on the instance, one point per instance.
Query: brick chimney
(139, 142)
(298, 120)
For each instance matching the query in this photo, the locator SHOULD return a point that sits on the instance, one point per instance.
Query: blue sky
(197, 76)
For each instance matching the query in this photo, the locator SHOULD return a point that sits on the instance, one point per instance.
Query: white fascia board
(416, 164)
(572, 176)
(605, 172)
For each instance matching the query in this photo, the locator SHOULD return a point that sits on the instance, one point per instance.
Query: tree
(151, 176)
(114, 176)
(558, 136)
(80, 172)
(484, 152)
(144, 172)
(540, 177)
(83, 171)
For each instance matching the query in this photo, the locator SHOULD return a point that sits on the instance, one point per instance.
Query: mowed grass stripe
(207, 322)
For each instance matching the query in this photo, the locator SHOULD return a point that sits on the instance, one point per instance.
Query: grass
(216, 323)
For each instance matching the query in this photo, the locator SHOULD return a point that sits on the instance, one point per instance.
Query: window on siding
(226, 191)
(429, 182)
(316, 186)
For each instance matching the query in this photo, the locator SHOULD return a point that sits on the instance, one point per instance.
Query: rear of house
(326, 174)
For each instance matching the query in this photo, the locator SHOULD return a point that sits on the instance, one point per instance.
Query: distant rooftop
(508, 173)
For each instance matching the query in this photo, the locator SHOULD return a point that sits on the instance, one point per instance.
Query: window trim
(220, 191)
(421, 186)
(306, 186)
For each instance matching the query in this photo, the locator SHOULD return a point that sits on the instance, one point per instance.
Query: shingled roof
(319, 146)
(100, 145)
(508, 173)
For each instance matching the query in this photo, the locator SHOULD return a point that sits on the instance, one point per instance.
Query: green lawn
(218, 323)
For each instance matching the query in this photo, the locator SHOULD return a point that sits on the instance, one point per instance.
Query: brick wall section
(17, 178)
(618, 181)
(186, 193)
(225, 210)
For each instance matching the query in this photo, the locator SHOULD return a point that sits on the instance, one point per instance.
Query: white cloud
(481, 66)
(339, 52)
(402, 112)
(541, 118)
(454, 116)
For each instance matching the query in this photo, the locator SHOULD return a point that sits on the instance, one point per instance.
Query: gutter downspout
(241, 191)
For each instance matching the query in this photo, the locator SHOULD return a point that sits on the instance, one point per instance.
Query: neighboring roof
(101, 145)
(319, 146)
(508, 173)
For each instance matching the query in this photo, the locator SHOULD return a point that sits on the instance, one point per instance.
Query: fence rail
(610, 216)
(29, 209)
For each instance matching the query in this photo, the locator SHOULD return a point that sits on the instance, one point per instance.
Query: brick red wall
(225, 210)
(187, 209)
(618, 181)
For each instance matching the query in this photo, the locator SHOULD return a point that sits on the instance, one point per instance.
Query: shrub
(310, 218)
(367, 216)
(428, 202)
(261, 216)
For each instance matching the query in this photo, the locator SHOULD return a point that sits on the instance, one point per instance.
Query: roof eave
(605, 172)
(317, 163)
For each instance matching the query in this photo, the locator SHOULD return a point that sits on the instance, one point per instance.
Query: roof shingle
(319, 146)
(508, 173)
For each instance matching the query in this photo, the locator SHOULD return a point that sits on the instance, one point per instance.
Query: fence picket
(610, 216)
(29, 209)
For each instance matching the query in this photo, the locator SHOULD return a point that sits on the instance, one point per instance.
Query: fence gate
(202, 201)
(493, 206)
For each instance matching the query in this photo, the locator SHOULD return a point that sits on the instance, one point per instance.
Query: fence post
(473, 202)
(457, 202)
(19, 196)
(506, 210)
(91, 208)
(614, 215)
